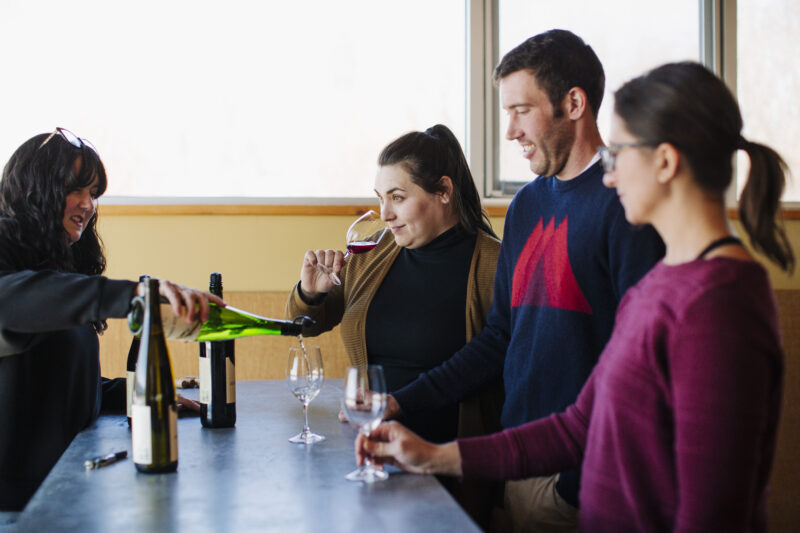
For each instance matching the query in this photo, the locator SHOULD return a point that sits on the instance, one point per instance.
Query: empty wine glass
(362, 236)
(364, 401)
(304, 374)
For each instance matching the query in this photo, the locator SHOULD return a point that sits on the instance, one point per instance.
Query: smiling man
(568, 256)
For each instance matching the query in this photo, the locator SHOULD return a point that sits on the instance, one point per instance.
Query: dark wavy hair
(559, 60)
(434, 153)
(33, 189)
(687, 106)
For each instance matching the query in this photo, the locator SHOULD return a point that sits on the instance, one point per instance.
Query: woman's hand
(186, 404)
(393, 444)
(319, 269)
(392, 408)
(191, 303)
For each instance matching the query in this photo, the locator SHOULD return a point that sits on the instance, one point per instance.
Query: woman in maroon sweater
(675, 429)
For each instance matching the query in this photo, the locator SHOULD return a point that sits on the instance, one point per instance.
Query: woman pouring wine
(55, 304)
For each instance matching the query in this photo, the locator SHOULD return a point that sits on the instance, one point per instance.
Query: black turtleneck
(417, 319)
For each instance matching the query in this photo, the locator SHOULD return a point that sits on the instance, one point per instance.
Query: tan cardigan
(347, 304)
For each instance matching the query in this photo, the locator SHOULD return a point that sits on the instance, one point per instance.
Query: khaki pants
(533, 505)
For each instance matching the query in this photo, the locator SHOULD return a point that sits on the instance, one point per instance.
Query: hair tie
(742, 143)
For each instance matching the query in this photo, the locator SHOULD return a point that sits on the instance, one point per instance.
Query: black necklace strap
(728, 239)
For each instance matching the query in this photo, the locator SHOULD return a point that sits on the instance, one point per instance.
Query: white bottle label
(173, 432)
(175, 327)
(230, 374)
(142, 435)
(130, 382)
(205, 377)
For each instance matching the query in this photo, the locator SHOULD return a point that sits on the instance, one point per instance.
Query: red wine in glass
(359, 247)
(362, 236)
(365, 233)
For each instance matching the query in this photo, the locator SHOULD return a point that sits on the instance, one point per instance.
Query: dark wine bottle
(217, 376)
(130, 367)
(155, 409)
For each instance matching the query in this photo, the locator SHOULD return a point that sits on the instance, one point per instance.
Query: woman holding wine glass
(56, 302)
(425, 289)
(675, 430)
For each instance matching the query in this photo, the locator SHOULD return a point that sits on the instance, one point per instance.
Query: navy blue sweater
(567, 257)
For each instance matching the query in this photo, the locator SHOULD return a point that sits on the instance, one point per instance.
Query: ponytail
(466, 200)
(760, 204)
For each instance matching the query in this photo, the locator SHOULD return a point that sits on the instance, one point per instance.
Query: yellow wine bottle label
(173, 433)
(230, 374)
(130, 382)
(205, 377)
(142, 435)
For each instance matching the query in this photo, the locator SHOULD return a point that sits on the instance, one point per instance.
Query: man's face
(546, 140)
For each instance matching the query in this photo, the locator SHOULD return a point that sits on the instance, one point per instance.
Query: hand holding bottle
(187, 302)
(319, 272)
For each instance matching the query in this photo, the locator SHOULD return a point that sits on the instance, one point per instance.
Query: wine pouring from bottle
(224, 323)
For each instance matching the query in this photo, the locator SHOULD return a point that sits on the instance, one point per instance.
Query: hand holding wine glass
(393, 444)
(304, 374)
(362, 236)
(364, 400)
(319, 272)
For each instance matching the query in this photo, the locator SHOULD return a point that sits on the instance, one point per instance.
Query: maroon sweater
(675, 429)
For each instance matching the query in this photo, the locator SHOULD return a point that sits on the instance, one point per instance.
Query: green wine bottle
(155, 409)
(223, 324)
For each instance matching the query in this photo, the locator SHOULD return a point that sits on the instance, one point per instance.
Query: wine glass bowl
(365, 233)
(362, 236)
(304, 375)
(364, 401)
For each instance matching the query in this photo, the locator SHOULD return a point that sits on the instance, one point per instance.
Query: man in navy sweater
(568, 256)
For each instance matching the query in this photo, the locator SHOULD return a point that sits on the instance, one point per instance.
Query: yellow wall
(253, 252)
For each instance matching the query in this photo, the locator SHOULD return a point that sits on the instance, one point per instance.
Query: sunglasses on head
(70, 137)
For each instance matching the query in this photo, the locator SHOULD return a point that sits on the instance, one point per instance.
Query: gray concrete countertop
(247, 478)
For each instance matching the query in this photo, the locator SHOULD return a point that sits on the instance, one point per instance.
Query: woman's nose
(608, 180)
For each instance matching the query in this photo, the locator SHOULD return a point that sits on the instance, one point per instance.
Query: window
(629, 37)
(768, 82)
(200, 99)
(250, 101)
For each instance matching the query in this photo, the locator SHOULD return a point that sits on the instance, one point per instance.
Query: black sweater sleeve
(36, 303)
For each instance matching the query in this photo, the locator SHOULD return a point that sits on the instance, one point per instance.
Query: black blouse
(417, 319)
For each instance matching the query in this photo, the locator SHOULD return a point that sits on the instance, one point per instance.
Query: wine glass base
(367, 475)
(306, 438)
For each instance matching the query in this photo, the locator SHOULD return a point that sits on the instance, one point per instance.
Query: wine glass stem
(306, 429)
(367, 460)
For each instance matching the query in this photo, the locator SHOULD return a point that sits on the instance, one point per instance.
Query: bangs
(91, 166)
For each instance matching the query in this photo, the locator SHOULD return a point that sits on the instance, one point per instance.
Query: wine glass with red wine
(362, 236)
(365, 233)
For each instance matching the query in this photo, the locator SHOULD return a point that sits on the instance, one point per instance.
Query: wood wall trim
(247, 209)
(790, 213)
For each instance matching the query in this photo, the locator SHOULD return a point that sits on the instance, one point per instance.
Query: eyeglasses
(70, 137)
(608, 154)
